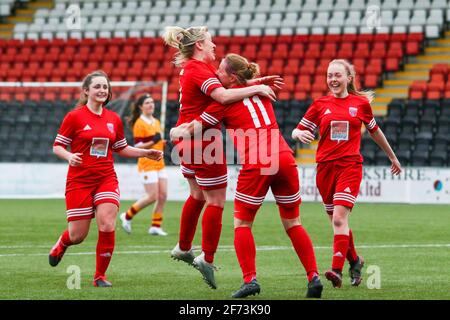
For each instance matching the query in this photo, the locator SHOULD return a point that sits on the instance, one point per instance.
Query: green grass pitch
(408, 244)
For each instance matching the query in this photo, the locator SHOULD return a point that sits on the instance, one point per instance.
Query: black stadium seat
(419, 158)
(403, 156)
(438, 158)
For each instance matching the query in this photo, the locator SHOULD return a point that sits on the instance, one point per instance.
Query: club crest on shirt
(353, 111)
(110, 127)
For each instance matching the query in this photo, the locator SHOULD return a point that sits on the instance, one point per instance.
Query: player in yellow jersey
(147, 135)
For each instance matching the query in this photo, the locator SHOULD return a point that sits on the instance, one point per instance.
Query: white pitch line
(231, 248)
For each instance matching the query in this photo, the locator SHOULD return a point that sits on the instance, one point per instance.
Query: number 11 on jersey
(251, 108)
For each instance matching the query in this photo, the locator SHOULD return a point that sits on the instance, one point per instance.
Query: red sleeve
(310, 120)
(66, 132)
(212, 115)
(120, 142)
(205, 79)
(367, 118)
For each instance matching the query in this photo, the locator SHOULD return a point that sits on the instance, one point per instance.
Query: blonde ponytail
(184, 41)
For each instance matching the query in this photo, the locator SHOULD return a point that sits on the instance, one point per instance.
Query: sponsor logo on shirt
(87, 127)
(327, 111)
(348, 190)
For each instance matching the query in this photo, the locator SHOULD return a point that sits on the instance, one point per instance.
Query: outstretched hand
(273, 81)
(304, 136)
(153, 154)
(266, 91)
(396, 167)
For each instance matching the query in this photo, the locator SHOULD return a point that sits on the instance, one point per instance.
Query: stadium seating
(437, 87)
(294, 38)
(419, 132)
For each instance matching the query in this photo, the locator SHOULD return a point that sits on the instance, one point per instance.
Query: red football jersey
(197, 80)
(95, 136)
(339, 121)
(252, 125)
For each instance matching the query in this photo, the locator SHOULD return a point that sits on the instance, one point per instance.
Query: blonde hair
(184, 41)
(240, 67)
(87, 82)
(351, 88)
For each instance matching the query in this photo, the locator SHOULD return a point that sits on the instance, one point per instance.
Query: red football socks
(211, 229)
(188, 222)
(105, 248)
(245, 248)
(303, 246)
(65, 239)
(340, 247)
(352, 256)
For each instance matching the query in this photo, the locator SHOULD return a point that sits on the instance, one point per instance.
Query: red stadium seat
(378, 50)
(276, 67)
(291, 67)
(284, 39)
(362, 50)
(281, 51)
(317, 94)
(317, 38)
(265, 51)
(412, 48)
(299, 95)
(392, 64)
(284, 95)
(370, 81)
(297, 51)
(382, 37)
(416, 95)
(434, 95)
(447, 94)
(375, 66)
(330, 51)
(365, 37)
(395, 50)
(313, 51)
(300, 38)
(309, 67)
(333, 38)
(400, 37)
(415, 36)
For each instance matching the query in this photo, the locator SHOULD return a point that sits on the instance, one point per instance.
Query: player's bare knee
(107, 226)
(77, 238)
(290, 223)
(338, 222)
(238, 223)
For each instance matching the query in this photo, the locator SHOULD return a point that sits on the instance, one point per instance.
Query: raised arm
(227, 96)
(132, 152)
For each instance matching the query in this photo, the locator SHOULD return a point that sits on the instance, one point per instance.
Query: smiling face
(98, 90)
(207, 47)
(338, 79)
(225, 78)
(148, 107)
